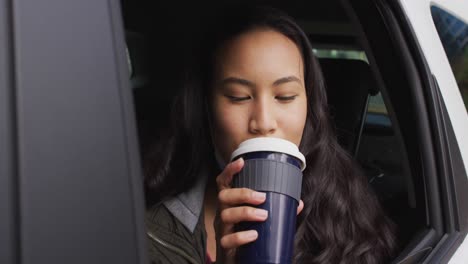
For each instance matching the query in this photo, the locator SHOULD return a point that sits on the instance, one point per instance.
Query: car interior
(370, 124)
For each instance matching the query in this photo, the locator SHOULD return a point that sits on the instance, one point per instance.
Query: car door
(70, 179)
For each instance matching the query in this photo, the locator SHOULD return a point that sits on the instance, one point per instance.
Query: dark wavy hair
(342, 221)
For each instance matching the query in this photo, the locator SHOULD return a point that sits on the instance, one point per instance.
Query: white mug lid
(269, 144)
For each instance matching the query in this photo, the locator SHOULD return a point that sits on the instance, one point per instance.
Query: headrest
(339, 72)
(349, 84)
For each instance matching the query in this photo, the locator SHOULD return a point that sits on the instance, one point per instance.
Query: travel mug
(273, 166)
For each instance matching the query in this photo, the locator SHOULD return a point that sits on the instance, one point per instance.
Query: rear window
(341, 54)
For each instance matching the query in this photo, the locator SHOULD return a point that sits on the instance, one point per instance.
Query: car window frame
(433, 146)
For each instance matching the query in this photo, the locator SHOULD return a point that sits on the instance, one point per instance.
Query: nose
(262, 118)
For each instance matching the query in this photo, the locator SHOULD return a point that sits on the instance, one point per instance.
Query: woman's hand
(232, 210)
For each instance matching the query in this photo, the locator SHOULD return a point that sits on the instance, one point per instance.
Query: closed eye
(237, 99)
(286, 98)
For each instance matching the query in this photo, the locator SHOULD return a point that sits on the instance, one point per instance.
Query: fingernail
(234, 162)
(259, 196)
(251, 234)
(261, 213)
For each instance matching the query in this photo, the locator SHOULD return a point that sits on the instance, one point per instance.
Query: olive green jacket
(172, 242)
(176, 228)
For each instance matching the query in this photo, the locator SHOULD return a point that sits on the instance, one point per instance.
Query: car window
(380, 153)
(453, 34)
(341, 54)
(377, 113)
(381, 149)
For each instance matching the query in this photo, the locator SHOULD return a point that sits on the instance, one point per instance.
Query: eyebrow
(248, 83)
(286, 80)
(240, 81)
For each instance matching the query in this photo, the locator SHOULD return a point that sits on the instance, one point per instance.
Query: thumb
(300, 207)
(224, 179)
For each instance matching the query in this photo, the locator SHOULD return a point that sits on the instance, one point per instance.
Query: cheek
(229, 128)
(227, 122)
(293, 122)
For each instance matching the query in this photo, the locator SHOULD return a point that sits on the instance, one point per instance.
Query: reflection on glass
(453, 34)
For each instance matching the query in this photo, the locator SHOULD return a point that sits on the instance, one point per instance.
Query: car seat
(349, 84)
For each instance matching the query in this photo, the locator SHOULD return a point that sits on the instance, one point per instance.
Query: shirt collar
(187, 206)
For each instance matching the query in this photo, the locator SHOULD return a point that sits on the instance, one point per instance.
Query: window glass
(453, 34)
(340, 54)
(377, 112)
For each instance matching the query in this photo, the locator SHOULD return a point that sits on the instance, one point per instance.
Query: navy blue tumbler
(273, 166)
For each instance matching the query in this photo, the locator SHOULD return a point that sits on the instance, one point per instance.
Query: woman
(259, 78)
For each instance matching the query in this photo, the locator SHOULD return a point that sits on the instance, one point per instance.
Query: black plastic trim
(459, 175)
(453, 187)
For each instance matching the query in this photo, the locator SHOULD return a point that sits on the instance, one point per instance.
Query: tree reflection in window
(453, 34)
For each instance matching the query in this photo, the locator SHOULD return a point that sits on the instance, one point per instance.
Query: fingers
(300, 207)
(238, 196)
(237, 239)
(235, 215)
(224, 179)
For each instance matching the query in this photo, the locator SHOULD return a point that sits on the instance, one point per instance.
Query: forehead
(260, 51)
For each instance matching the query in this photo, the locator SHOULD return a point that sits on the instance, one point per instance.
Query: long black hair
(342, 221)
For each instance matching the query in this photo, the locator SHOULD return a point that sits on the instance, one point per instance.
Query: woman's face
(258, 90)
